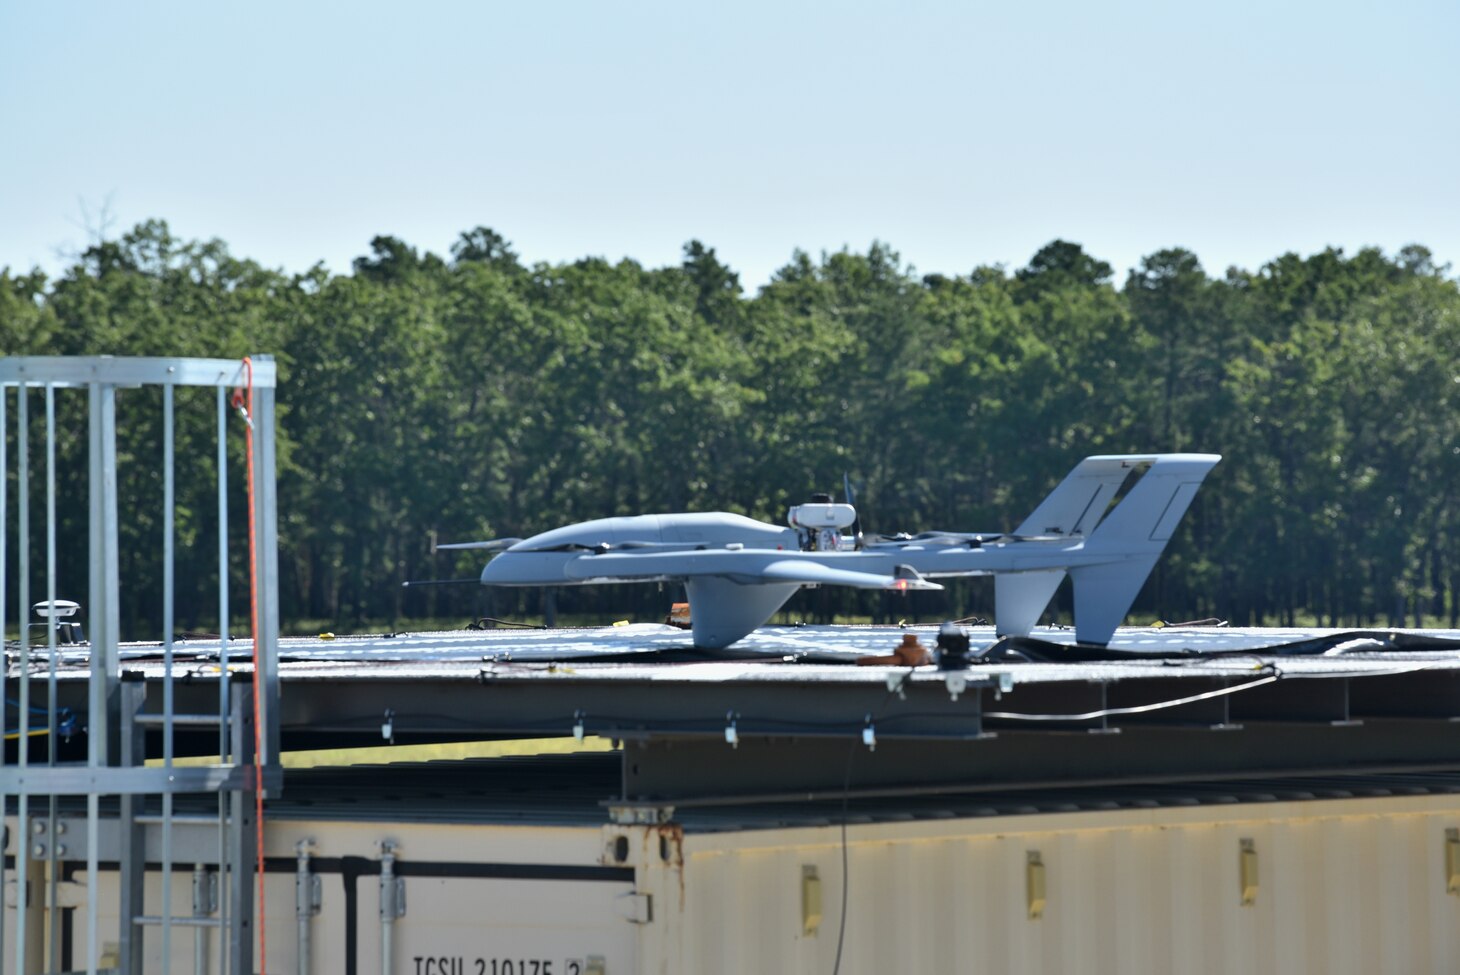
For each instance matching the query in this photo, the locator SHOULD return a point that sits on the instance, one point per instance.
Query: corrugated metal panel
(1351, 884)
(1345, 886)
(453, 925)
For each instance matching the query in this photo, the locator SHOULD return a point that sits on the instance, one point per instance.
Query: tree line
(473, 396)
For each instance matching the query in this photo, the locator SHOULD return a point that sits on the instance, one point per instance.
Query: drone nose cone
(525, 569)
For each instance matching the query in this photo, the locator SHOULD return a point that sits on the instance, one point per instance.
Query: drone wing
(814, 574)
(745, 567)
(733, 591)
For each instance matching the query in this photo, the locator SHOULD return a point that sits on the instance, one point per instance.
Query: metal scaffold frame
(117, 720)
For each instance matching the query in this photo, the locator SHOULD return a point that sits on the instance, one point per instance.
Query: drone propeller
(440, 582)
(490, 545)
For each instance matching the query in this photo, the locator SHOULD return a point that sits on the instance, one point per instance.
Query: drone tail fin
(1020, 599)
(1077, 504)
(1130, 536)
(1135, 532)
(1104, 594)
(1150, 511)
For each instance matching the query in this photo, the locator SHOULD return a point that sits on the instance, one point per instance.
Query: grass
(447, 752)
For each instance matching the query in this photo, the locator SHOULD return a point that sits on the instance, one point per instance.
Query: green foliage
(475, 396)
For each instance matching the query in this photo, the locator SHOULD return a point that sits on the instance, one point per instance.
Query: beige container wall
(452, 926)
(1343, 886)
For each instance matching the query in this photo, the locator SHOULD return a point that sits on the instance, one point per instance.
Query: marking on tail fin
(1078, 503)
(1152, 508)
(1077, 528)
(1175, 508)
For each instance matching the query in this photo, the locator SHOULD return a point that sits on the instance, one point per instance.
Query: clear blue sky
(960, 133)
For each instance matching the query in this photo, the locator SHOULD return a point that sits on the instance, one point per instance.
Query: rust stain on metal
(671, 851)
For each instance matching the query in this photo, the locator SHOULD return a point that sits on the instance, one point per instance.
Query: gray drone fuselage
(738, 571)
